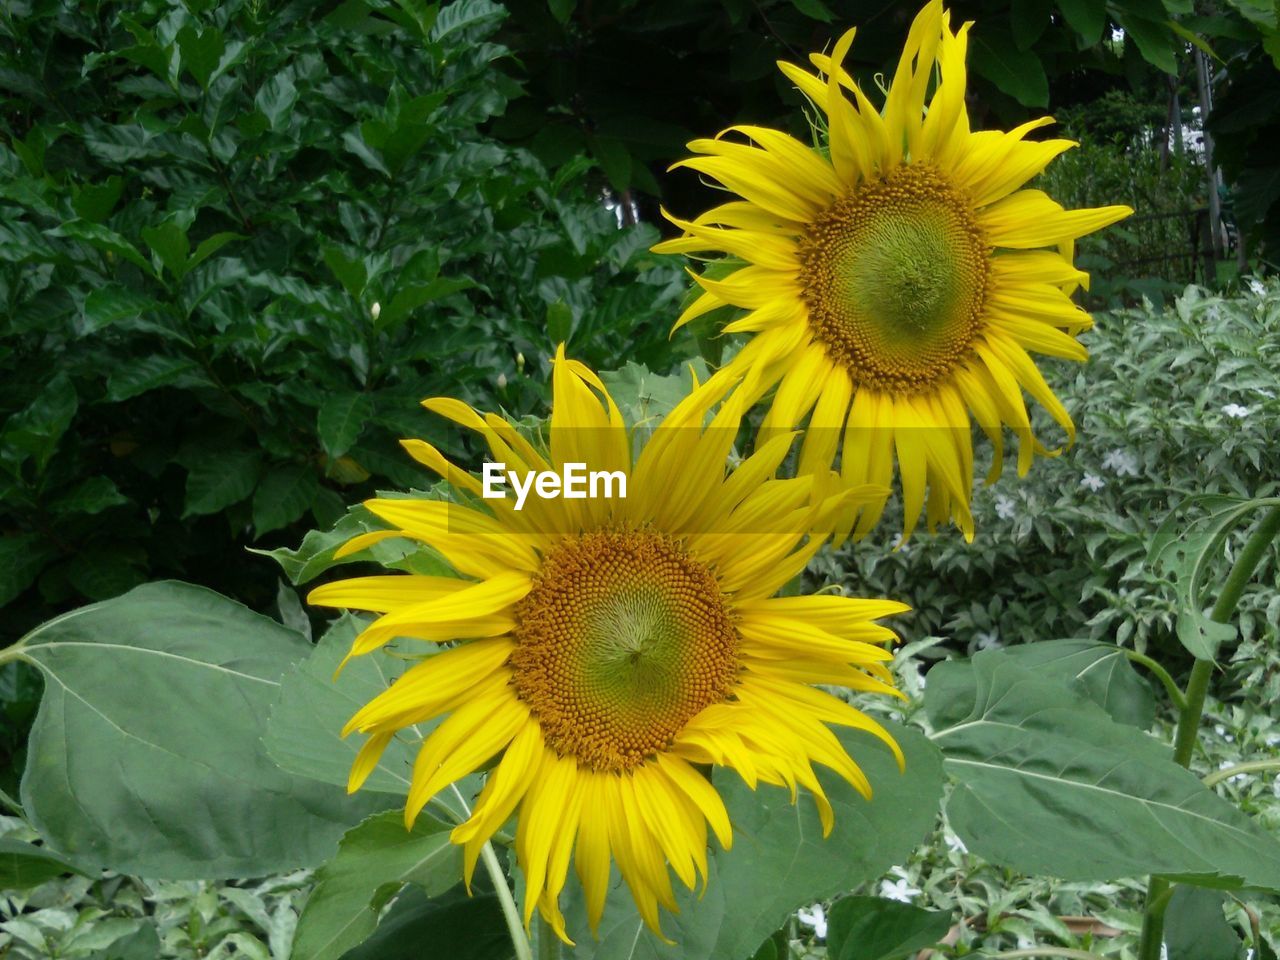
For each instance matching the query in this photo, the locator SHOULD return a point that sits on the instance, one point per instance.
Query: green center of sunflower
(624, 638)
(894, 277)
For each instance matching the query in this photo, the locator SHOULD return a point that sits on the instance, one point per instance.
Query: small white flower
(899, 546)
(1271, 739)
(502, 381)
(1257, 286)
(1121, 462)
(376, 310)
(814, 917)
(954, 843)
(1006, 509)
(900, 889)
(1236, 411)
(1093, 482)
(988, 640)
(1269, 394)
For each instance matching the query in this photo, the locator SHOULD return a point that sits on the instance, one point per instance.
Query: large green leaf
(1187, 548)
(1100, 671)
(1039, 768)
(303, 733)
(1016, 72)
(374, 861)
(146, 754)
(873, 928)
(471, 927)
(24, 865)
(779, 860)
(1196, 929)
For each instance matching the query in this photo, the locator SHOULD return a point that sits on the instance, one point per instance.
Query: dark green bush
(238, 243)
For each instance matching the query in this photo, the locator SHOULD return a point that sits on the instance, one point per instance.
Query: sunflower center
(624, 638)
(894, 277)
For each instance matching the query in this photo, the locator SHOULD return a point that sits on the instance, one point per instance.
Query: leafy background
(240, 240)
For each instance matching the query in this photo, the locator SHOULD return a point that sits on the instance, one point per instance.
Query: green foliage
(173, 758)
(239, 242)
(872, 928)
(373, 862)
(1012, 739)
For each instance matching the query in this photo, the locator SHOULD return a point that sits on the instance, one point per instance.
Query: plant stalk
(1159, 889)
(1250, 766)
(510, 913)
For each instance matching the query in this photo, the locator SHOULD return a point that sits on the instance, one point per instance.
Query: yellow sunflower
(606, 648)
(897, 281)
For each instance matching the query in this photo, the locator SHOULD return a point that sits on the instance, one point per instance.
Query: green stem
(1161, 674)
(1184, 741)
(499, 877)
(1250, 766)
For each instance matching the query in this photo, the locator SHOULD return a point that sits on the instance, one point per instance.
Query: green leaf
(276, 99)
(1099, 671)
(1155, 41)
(201, 51)
(150, 372)
(461, 927)
(211, 246)
(350, 272)
(95, 202)
(101, 573)
(284, 494)
(143, 944)
(219, 478)
(37, 429)
(1029, 19)
(1018, 73)
(1188, 548)
(1085, 17)
(462, 14)
(315, 702)
(103, 239)
(22, 557)
(90, 496)
(112, 303)
(559, 322)
(24, 865)
(779, 859)
(168, 241)
(814, 10)
(165, 775)
(872, 928)
(1195, 927)
(410, 298)
(562, 10)
(340, 420)
(374, 861)
(1039, 767)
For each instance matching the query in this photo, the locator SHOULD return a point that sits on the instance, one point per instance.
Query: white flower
(1006, 509)
(502, 381)
(1121, 462)
(814, 917)
(900, 889)
(954, 843)
(988, 639)
(1258, 287)
(1271, 739)
(899, 546)
(1093, 482)
(1236, 411)
(376, 310)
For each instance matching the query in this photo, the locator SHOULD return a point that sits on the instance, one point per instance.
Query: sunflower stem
(1161, 674)
(492, 866)
(1159, 889)
(1249, 766)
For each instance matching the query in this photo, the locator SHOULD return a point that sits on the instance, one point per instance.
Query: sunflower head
(896, 283)
(606, 652)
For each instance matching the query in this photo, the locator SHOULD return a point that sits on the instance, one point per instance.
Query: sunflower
(607, 649)
(897, 282)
